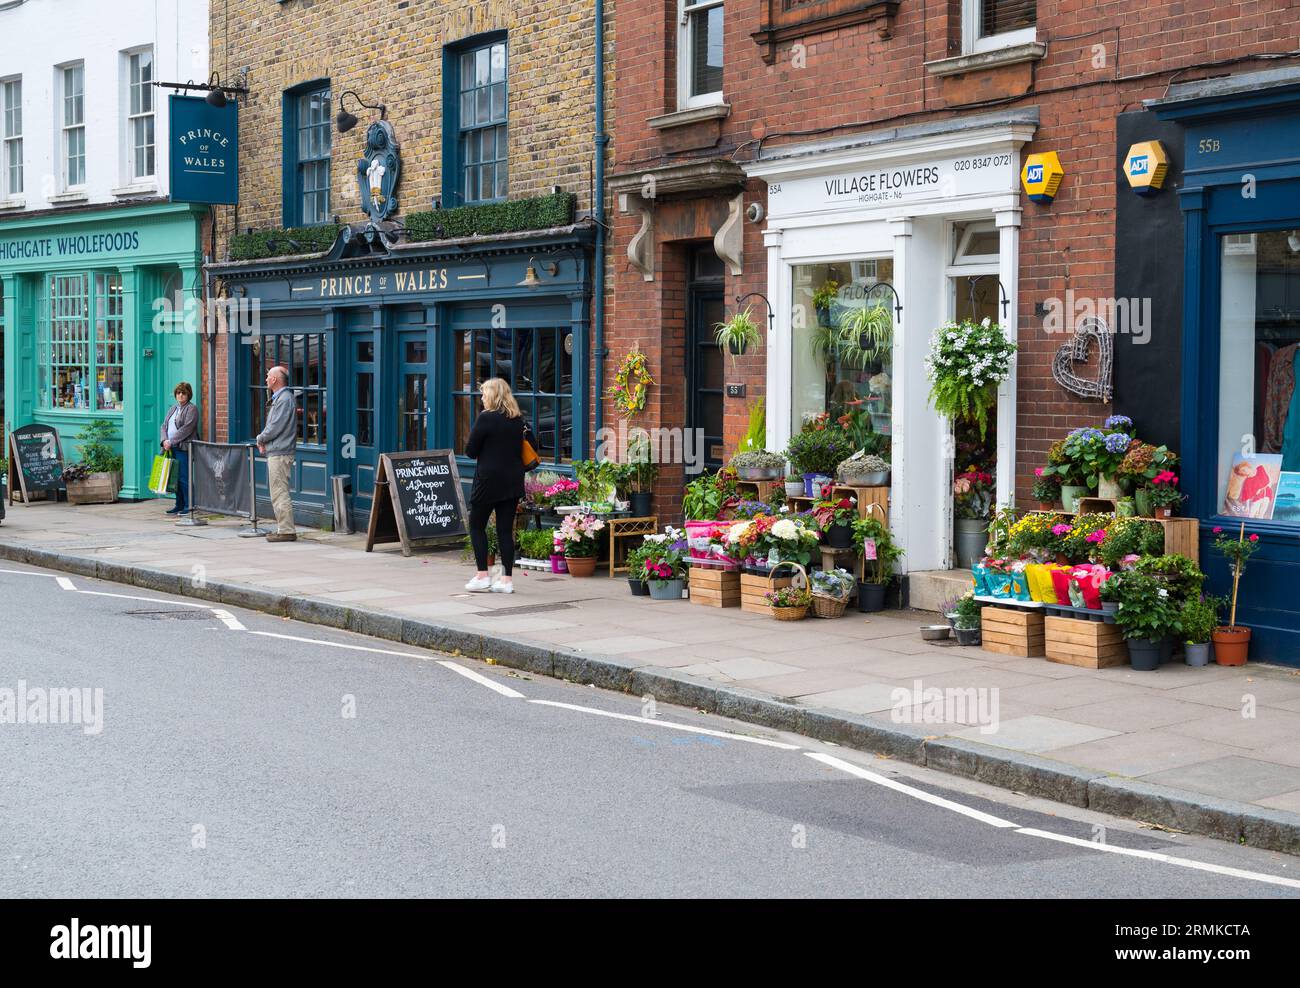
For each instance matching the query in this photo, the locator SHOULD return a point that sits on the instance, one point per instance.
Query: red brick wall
(1102, 58)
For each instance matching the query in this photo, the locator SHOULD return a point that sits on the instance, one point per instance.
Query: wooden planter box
(1087, 644)
(1013, 632)
(714, 587)
(753, 592)
(97, 488)
(1182, 535)
(866, 496)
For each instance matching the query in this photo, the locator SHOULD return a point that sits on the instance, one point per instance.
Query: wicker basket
(787, 613)
(828, 607)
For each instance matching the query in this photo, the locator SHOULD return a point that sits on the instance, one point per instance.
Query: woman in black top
(496, 442)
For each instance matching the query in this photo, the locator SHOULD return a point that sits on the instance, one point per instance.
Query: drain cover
(524, 609)
(185, 615)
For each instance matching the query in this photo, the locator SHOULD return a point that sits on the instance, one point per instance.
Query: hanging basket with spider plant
(737, 334)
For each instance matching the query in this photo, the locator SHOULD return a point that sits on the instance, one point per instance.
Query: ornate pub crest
(378, 171)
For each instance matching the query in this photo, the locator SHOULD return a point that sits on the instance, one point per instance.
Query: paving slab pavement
(1216, 732)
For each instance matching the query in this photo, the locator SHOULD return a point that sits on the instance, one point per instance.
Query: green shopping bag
(162, 478)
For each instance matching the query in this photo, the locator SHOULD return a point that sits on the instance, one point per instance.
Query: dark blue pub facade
(387, 351)
(1219, 253)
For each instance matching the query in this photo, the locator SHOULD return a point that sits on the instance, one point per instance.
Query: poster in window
(1253, 486)
(1286, 507)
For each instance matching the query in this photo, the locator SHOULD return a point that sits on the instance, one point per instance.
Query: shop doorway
(705, 369)
(364, 426)
(413, 390)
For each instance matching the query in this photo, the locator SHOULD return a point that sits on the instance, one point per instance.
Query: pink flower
(1038, 471)
(1062, 529)
(1218, 530)
(1254, 538)
(1097, 536)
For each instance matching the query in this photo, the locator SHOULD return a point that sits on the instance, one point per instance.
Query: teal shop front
(388, 351)
(83, 336)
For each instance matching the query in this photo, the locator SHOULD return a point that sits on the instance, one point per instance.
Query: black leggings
(479, 513)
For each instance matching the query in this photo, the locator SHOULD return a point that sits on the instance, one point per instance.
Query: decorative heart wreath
(631, 384)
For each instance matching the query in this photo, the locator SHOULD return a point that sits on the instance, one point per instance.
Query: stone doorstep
(1259, 826)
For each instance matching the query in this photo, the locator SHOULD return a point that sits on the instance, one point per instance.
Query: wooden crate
(1087, 644)
(866, 496)
(714, 587)
(759, 490)
(1013, 632)
(753, 592)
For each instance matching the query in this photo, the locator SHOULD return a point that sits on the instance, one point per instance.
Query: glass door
(363, 410)
(413, 391)
(705, 370)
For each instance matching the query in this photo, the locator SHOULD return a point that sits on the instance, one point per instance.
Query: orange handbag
(529, 455)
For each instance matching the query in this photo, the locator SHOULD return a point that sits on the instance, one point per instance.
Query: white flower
(785, 529)
(737, 531)
(1163, 592)
(986, 322)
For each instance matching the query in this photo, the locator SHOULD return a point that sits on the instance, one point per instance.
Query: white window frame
(971, 40)
(685, 65)
(131, 174)
(12, 142)
(963, 260)
(66, 128)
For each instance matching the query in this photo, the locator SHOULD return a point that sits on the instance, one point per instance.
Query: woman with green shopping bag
(178, 428)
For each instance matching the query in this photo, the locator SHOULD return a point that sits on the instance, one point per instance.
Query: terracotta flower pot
(581, 565)
(1046, 506)
(1164, 512)
(1231, 645)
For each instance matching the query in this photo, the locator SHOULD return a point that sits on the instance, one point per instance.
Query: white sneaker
(479, 584)
(502, 587)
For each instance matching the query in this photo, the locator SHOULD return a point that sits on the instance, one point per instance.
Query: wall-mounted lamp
(345, 121)
(530, 274)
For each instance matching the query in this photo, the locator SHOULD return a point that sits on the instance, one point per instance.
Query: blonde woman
(496, 443)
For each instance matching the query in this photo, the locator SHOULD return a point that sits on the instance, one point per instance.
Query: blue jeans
(182, 479)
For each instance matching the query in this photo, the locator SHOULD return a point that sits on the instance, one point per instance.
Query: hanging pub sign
(417, 501)
(204, 150)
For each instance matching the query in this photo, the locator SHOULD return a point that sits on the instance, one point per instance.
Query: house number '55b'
(1209, 145)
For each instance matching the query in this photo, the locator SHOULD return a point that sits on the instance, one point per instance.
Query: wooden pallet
(1012, 632)
(1087, 644)
(753, 592)
(715, 587)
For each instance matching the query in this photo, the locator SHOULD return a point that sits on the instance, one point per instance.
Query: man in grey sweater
(278, 442)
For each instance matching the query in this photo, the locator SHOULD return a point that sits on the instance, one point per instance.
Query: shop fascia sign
(882, 184)
(57, 246)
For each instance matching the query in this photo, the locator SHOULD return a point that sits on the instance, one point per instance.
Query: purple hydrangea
(1118, 442)
(1086, 432)
(1119, 422)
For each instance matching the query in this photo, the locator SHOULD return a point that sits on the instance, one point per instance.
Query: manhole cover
(185, 615)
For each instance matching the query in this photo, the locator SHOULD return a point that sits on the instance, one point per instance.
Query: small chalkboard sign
(417, 501)
(35, 463)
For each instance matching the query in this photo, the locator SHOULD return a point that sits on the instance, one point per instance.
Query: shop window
(537, 363)
(1259, 401)
(481, 122)
(72, 92)
(307, 149)
(842, 348)
(140, 115)
(11, 131)
(80, 328)
(992, 24)
(699, 52)
(303, 356)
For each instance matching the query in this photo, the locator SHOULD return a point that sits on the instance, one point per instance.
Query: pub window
(307, 156)
(990, 24)
(482, 124)
(699, 52)
(72, 116)
(80, 327)
(303, 356)
(537, 363)
(139, 115)
(11, 104)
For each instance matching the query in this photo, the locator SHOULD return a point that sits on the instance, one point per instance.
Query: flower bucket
(1108, 487)
(968, 636)
(813, 482)
(1144, 653)
(1070, 496)
(641, 503)
(794, 488)
(1197, 655)
(559, 564)
(971, 536)
(699, 536)
(839, 536)
(581, 565)
(1231, 645)
(665, 589)
(871, 597)
(638, 587)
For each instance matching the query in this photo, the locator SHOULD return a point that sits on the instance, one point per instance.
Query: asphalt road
(228, 765)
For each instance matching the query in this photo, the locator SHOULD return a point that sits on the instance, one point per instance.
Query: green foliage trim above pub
(485, 219)
(276, 243)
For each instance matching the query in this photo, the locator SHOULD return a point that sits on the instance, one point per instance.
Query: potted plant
(758, 464)
(494, 548)
(1232, 643)
(665, 564)
(1198, 620)
(972, 499)
(817, 450)
(789, 603)
(737, 334)
(865, 470)
(1163, 494)
(534, 545)
(710, 496)
(836, 518)
(97, 478)
(579, 534)
(879, 555)
(823, 298)
(968, 620)
(948, 608)
(1147, 614)
(831, 590)
(1047, 489)
(871, 328)
(642, 473)
(966, 363)
(793, 485)
(1109, 593)
(1067, 475)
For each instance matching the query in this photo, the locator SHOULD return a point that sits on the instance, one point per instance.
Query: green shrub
(511, 216)
(277, 243)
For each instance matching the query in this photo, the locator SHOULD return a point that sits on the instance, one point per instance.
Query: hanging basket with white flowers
(967, 361)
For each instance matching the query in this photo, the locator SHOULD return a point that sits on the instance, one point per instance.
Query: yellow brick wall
(390, 51)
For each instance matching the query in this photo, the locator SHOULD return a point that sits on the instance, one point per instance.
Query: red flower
(1038, 471)
(1218, 530)
(1254, 538)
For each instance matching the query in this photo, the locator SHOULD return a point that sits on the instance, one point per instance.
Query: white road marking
(690, 728)
(920, 794)
(27, 572)
(147, 600)
(65, 583)
(481, 680)
(228, 619)
(1254, 876)
(354, 648)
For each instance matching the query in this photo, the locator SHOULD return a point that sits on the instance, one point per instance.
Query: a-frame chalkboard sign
(35, 463)
(417, 501)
